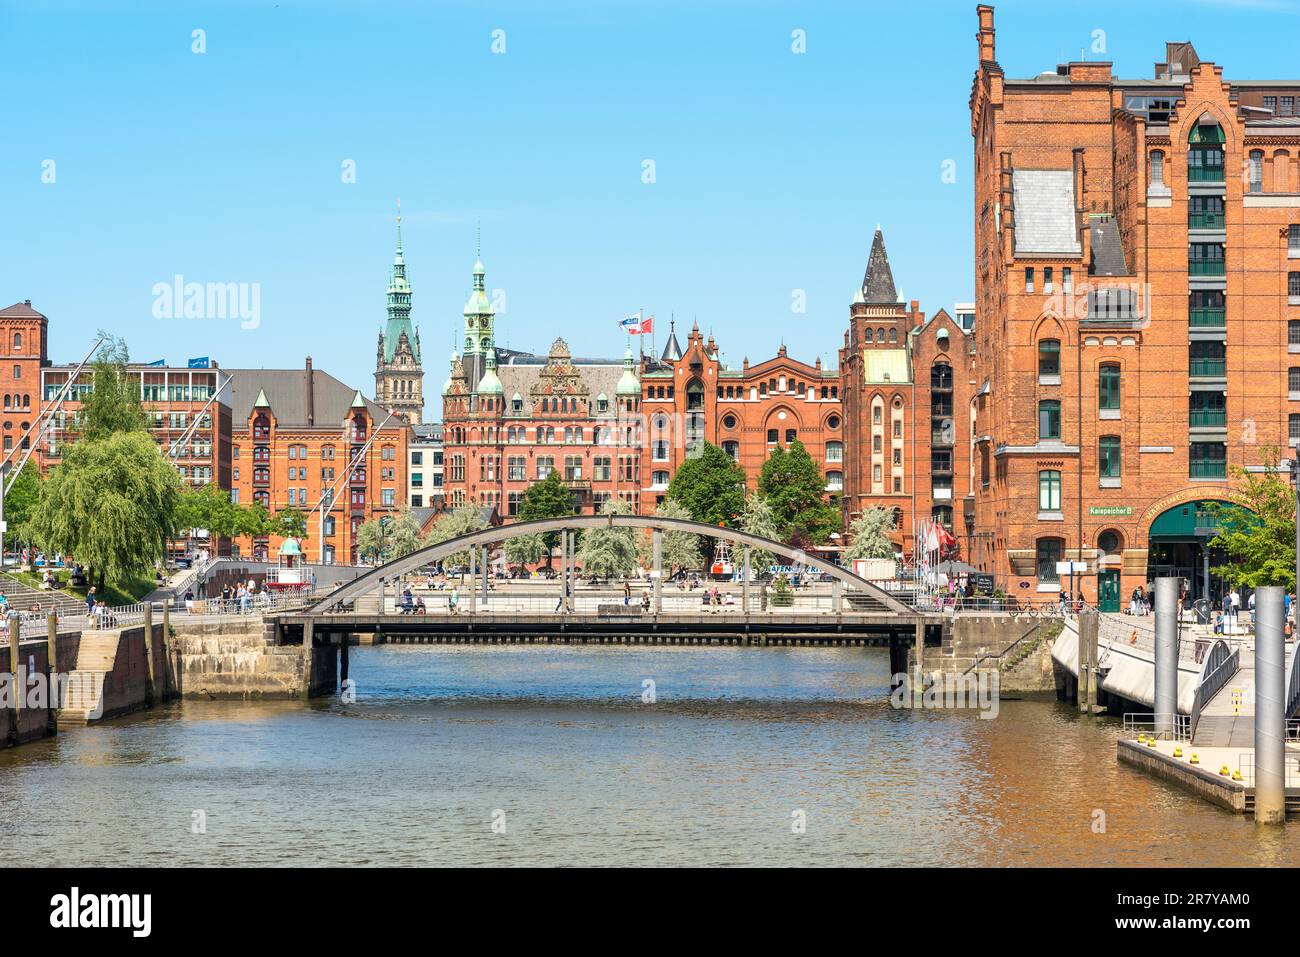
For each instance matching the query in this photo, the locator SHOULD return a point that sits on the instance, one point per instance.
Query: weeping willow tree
(460, 521)
(609, 552)
(112, 503)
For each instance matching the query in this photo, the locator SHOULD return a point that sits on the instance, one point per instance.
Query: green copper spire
(399, 303)
(479, 333)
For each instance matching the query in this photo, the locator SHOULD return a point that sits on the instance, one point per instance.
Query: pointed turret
(261, 402)
(878, 282)
(490, 384)
(672, 348)
(399, 305)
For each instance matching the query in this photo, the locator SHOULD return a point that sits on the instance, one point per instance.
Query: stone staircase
(83, 700)
(22, 596)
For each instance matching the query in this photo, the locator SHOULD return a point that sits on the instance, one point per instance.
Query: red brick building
(690, 396)
(23, 336)
(908, 384)
(1138, 297)
(295, 432)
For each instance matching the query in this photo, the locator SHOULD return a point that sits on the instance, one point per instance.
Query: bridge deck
(880, 624)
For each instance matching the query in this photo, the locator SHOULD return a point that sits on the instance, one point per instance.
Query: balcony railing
(1209, 468)
(1208, 368)
(1205, 220)
(1208, 418)
(1205, 174)
(1207, 317)
(1205, 267)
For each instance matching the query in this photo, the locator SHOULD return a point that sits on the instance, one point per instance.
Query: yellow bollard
(1224, 770)
(1151, 741)
(1178, 752)
(1142, 737)
(1236, 775)
(1194, 759)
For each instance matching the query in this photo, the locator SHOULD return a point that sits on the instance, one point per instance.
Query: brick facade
(1133, 246)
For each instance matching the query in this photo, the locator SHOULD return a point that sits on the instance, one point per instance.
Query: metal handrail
(1145, 723)
(1293, 683)
(1220, 664)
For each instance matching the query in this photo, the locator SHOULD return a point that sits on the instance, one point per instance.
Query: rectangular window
(1049, 419)
(1209, 460)
(1157, 168)
(1029, 279)
(1293, 288)
(1108, 391)
(1049, 357)
(1047, 554)
(1047, 280)
(1293, 379)
(1108, 456)
(1067, 280)
(1049, 491)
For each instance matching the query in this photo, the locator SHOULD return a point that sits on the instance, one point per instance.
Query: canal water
(504, 755)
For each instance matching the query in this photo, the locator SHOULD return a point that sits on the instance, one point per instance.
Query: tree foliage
(1258, 535)
(389, 537)
(757, 518)
(526, 549)
(111, 503)
(20, 504)
(609, 552)
(677, 549)
(710, 486)
(457, 522)
(113, 405)
(796, 489)
(869, 534)
(549, 498)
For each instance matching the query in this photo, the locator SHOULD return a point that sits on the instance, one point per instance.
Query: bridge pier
(1166, 655)
(657, 572)
(1270, 706)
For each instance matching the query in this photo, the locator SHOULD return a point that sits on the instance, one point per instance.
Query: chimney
(310, 385)
(27, 302)
(986, 33)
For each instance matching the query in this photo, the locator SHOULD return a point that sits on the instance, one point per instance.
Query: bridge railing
(437, 602)
(1293, 681)
(1246, 765)
(1220, 664)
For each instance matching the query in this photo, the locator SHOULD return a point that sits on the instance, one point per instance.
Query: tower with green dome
(479, 338)
(399, 376)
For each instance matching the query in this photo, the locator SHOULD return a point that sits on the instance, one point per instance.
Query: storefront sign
(1110, 509)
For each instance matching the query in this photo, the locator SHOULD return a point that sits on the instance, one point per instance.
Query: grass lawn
(120, 594)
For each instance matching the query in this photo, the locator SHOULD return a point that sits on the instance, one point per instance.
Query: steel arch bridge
(653, 523)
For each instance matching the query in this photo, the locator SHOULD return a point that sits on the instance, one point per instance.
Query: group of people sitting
(412, 605)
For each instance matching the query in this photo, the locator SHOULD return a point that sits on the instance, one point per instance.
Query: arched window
(1205, 152)
(941, 376)
(1108, 387)
(893, 335)
(867, 334)
(18, 342)
(880, 334)
(1256, 171)
(1156, 176)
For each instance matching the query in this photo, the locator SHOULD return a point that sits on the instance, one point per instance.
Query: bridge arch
(432, 553)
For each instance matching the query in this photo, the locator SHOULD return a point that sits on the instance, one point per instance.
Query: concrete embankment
(233, 659)
(1019, 650)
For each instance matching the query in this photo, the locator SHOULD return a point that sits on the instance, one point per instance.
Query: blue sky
(771, 168)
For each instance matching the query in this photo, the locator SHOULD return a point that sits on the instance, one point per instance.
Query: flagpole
(640, 343)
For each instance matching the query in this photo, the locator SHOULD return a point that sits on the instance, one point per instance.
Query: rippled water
(557, 741)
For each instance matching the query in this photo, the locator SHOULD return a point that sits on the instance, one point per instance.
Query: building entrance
(1179, 547)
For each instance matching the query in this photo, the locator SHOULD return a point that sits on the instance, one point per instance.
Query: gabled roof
(1107, 250)
(285, 391)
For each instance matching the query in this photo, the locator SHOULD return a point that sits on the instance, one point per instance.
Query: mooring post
(657, 572)
(1087, 624)
(919, 654)
(484, 564)
(1166, 658)
(1270, 706)
(744, 579)
(166, 645)
(837, 595)
(473, 584)
(52, 682)
(148, 655)
(17, 676)
(306, 658)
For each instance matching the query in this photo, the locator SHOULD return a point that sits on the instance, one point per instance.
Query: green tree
(1257, 533)
(796, 489)
(457, 522)
(549, 498)
(209, 507)
(757, 518)
(710, 486)
(20, 504)
(389, 537)
(112, 504)
(526, 549)
(289, 523)
(677, 549)
(609, 552)
(869, 534)
(113, 404)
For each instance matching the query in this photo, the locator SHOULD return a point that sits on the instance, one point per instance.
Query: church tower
(479, 331)
(399, 378)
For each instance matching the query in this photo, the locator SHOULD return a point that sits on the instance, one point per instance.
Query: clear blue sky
(772, 168)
